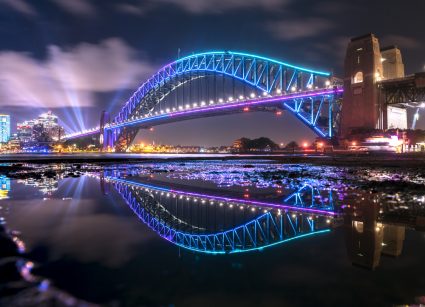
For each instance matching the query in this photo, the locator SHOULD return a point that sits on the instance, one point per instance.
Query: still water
(214, 233)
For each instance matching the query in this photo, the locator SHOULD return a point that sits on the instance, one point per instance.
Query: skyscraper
(44, 129)
(4, 128)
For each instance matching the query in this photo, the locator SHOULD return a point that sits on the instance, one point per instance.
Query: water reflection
(4, 187)
(46, 185)
(214, 224)
(374, 227)
(232, 210)
(206, 221)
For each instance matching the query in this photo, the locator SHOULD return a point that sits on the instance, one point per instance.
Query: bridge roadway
(292, 102)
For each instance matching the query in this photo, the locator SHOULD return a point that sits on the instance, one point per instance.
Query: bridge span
(217, 83)
(374, 93)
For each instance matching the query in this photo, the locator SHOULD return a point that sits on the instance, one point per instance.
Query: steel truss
(262, 73)
(319, 113)
(266, 230)
(408, 90)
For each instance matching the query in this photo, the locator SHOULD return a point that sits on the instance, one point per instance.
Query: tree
(292, 145)
(262, 143)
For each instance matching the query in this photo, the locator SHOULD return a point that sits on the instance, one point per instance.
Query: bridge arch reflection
(214, 224)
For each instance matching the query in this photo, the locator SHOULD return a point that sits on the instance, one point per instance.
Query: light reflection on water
(143, 217)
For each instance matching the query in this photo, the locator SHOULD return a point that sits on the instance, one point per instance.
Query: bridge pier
(368, 83)
(362, 69)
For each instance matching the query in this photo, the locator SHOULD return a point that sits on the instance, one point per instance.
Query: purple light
(261, 101)
(253, 202)
(235, 105)
(227, 106)
(243, 201)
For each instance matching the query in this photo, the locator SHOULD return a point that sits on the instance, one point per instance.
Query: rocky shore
(18, 286)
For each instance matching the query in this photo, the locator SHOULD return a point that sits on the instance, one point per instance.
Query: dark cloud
(221, 6)
(19, 6)
(402, 41)
(132, 9)
(78, 7)
(290, 29)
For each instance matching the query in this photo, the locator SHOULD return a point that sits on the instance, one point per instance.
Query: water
(222, 233)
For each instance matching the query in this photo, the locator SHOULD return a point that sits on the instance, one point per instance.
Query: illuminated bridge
(219, 225)
(217, 83)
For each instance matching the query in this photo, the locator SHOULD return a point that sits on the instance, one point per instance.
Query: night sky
(79, 57)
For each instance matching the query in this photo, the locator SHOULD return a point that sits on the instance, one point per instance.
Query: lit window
(358, 77)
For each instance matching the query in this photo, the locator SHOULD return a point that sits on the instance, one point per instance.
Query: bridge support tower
(105, 138)
(363, 69)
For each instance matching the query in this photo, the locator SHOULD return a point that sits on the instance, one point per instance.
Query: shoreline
(416, 160)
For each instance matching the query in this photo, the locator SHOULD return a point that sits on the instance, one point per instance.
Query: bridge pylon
(363, 69)
(104, 137)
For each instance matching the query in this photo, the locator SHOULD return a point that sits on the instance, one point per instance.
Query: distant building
(43, 130)
(25, 134)
(4, 128)
(4, 187)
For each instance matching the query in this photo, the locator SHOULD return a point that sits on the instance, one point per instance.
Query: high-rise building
(25, 134)
(4, 187)
(44, 129)
(4, 128)
(50, 125)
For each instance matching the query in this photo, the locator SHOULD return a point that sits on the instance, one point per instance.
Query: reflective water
(223, 233)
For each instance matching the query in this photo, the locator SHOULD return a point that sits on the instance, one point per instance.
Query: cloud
(20, 6)
(70, 77)
(299, 28)
(130, 9)
(401, 41)
(333, 47)
(77, 7)
(208, 6)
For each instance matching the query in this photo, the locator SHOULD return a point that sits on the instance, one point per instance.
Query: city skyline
(298, 32)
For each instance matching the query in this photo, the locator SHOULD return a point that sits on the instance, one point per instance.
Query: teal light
(237, 251)
(322, 73)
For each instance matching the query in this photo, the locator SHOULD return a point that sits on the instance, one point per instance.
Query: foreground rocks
(19, 288)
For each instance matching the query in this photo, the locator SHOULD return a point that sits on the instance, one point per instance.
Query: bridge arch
(308, 94)
(261, 73)
(265, 230)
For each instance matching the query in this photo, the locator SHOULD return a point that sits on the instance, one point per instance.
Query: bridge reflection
(218, 225)
(211, 223)
(374, 228)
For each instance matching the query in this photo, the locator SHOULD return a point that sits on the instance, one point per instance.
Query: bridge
(184, 217)
(217, 83)
(374, 93)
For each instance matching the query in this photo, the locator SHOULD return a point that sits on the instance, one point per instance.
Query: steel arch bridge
(307, 94)
(265, 229)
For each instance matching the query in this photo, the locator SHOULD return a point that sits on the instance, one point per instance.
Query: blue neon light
(254, 248)
(224, 242)
(243, 54)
